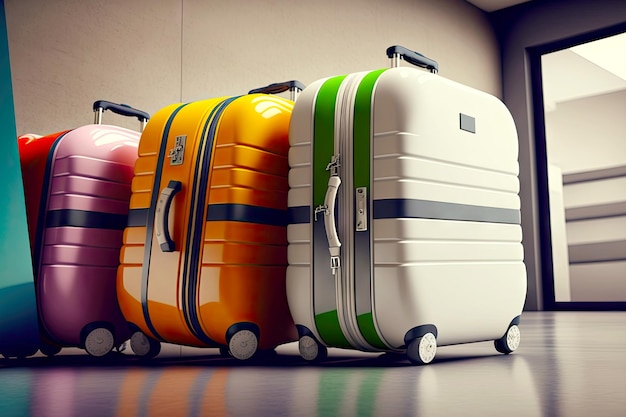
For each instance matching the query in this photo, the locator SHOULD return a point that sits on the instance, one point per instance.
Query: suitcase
(404, 228)
(205, 251)
(19, 328)
(77, 191)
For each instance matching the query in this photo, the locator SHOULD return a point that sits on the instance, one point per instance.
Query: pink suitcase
(77, 190)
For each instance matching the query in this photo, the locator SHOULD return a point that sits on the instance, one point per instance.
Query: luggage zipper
(346, 288)
(150, 226)
(361, 175)
(197, 216)
(42, 219)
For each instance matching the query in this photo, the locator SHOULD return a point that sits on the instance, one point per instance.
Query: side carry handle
(163, 206)
(328, 209)
(100, 106)
(293, 86)
(330, 224)
(397, 52)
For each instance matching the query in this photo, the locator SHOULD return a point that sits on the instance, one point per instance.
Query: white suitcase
(404, 228)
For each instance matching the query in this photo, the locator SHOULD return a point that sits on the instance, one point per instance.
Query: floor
(569, 364)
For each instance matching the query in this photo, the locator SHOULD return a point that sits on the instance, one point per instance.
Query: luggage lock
(178, 151)
(361, 209)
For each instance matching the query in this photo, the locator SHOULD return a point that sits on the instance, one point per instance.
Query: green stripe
(362, 126)
(362, 175)
(324, 136)
(329, 330)
(327, 322)
(366, 325)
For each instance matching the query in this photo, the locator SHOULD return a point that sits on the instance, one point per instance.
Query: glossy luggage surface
(19, 329)
(404, 215)
(205, 250)
(77, 190)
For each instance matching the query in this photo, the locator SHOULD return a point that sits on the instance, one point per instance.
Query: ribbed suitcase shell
(227, 270)
(442, 245)
(77, 191)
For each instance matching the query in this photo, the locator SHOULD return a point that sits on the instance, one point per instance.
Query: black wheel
(510, 341)
(143, 346)
(20, 353)
(224, 353)
(422, 350)
(311, 350)
(49, 349)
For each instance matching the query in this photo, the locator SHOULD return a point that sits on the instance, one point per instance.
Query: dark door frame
(534, 54)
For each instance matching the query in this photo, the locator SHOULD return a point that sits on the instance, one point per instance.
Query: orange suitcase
(205, 252)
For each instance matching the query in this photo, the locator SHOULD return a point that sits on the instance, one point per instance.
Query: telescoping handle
(100, 106)
(397, 52)
(293, 86)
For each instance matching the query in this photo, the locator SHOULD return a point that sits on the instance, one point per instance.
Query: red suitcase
(77, 191)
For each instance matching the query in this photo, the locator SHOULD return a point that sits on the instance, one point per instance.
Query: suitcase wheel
(99, 342)
(243, 344)
(224, 353)
(510, 341)
(121, 348)
(422, 350)
(311, 350)
(143, 346)
(19, 354)
(49, 349)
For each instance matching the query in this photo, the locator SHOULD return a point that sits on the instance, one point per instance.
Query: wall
(588, 133)
(520, 29)
(67, 54)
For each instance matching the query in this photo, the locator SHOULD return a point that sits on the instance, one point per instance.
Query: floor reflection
(556, 372)
(72, 386)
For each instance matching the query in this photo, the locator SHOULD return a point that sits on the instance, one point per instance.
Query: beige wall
(588, 134)
(65, 54)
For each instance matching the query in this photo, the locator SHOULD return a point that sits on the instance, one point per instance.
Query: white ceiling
(493, 5)
(586, 70)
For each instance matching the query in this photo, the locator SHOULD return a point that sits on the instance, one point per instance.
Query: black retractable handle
(292, 86)
(100, 106)
(397, 52)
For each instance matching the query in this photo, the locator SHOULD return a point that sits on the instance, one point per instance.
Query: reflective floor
(569, 364)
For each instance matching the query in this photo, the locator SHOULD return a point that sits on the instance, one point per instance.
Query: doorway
(580, 123)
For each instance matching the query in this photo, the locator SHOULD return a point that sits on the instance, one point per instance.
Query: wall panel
(67, 54)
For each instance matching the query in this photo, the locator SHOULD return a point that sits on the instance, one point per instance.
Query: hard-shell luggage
(19, 327)
(77, 191)
(404, 226)
(19, 330)
(205, 251)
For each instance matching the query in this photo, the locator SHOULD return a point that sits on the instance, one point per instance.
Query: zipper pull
(334, 264)
(333, 165)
